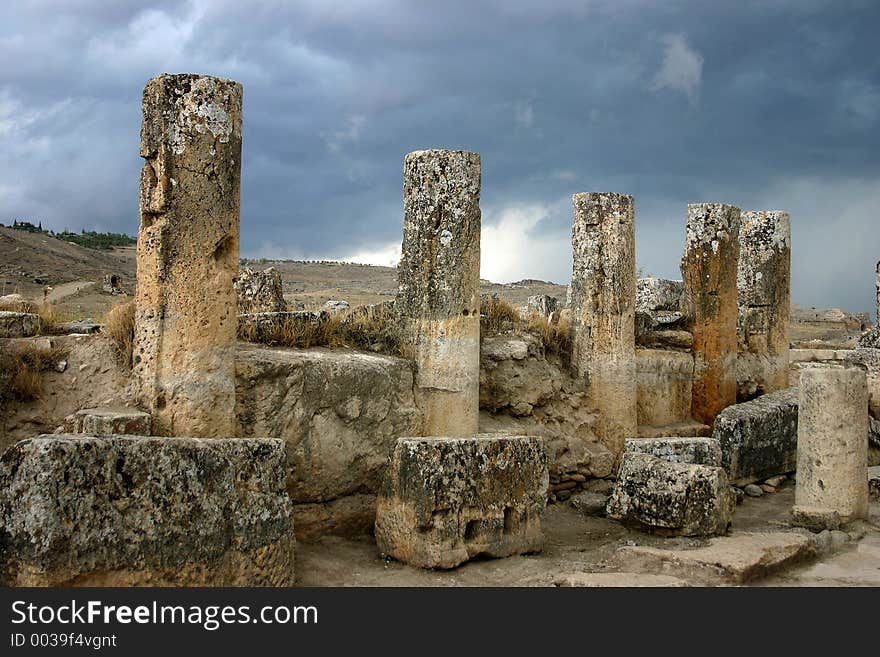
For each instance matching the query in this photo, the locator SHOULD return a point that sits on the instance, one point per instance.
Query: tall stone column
(187, 254)
(603, 300)
(709, 271)
(832, 451)
(764, 296)
(439, 279)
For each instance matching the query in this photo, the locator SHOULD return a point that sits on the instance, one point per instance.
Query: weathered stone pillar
(187, 254)
(764, 296)
(439, 278)
(832, 451)
(603, 292)
(709, 270)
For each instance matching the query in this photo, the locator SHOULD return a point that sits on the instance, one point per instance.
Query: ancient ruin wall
(764, 297)
(439, 276)
(603, 287)
(709, 270)
(187, 254)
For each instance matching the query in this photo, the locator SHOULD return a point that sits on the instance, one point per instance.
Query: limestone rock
(735, 559)
(444, 501)
(339, 414)
(701, 451)
(18, 325)
(674, 499)
(870, 338)
(663, 380)
(666, 339)
(603, 288)
(709, 268)
(334, 306)
(514, 375)
(438, 295)
(108, 421)
(131, 510)
(655, 294)
(259, 291)
(874, 483)
(759, 438)
(542, 304)
(187, 254)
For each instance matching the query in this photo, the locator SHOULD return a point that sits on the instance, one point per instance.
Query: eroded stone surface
(132, 510)
(764, 299)
(626, 580)
(674, 499)
(603, 286)
(658, 294)
(733, 559)
(438, 291)
(108, 421)
(446, 500)
(18, 325)
(699, 450)
(259, 291)
(759, 438)
(187, 254)
(709, 270)
(339, 414)
(664, 382)
(832, 450)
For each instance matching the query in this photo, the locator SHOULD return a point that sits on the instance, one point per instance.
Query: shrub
(497, 315)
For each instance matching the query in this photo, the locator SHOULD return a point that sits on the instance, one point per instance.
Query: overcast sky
(765, 105)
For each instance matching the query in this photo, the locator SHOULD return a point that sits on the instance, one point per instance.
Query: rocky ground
(586, 550)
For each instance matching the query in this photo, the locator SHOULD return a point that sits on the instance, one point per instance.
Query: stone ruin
(454, 451)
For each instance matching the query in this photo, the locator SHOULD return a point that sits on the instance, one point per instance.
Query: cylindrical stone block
(832, 449)
(764, 296)
(603, 299)
(439, 278)
(709, 270)
(187, 254)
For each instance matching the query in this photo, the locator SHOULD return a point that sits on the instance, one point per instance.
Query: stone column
(187, 254)
(764, 296)
(603, 298)
(709, 269)
(439, 279)
(832, 451)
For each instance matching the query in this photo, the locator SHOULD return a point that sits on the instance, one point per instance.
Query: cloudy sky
(766, 105)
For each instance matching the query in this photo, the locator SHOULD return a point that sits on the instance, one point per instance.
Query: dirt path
(65, 290)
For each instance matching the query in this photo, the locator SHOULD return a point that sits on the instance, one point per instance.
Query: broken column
(439, 278)
(603, 286)
(764, 290)
(444, 501)
(832, 451)
(709, 270)
(187, 254)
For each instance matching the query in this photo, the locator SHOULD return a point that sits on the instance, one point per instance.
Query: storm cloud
(766, 105)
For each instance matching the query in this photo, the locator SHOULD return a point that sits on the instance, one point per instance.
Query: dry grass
(119, 327)
(555, 333)
(22, 367)
(497, 315)
(367, 327)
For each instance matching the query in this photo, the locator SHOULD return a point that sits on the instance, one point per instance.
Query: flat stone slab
(726, 560)
(759, 437)
(699, 450)
(82, 510)
(685, 429)
(109, 421)
(671, 499)
(18, 325)
(444, 501)
(627, 580)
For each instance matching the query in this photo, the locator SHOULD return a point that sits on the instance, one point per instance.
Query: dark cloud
(761, 104)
